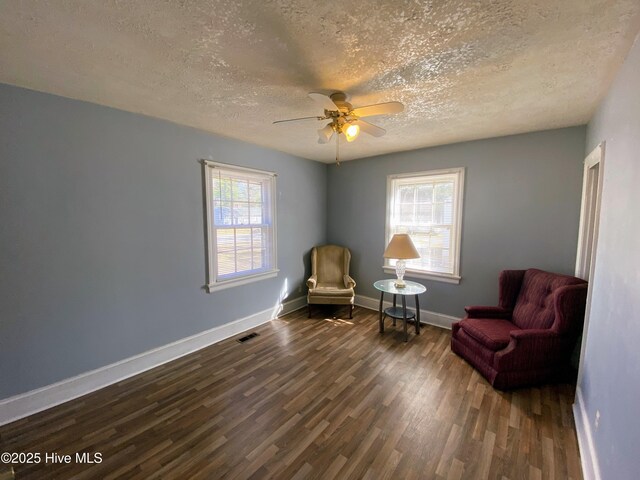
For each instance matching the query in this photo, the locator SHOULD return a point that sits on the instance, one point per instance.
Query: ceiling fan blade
(324, 101)
(379, 109)
(370, 128)
(301, 118)
(325, 134)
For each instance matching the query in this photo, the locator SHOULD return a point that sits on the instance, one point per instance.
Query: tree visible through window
(427, 206)
(241, 223)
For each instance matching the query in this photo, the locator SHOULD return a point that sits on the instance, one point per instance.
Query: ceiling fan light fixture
(325, 134)
(351, 132)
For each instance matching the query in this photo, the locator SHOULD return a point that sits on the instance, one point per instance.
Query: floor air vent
(248, 337)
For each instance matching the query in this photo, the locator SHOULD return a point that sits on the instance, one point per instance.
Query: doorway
(589, 212)
(588, 231)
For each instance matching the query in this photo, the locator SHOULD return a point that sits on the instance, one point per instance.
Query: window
(241, 225)
(428, 206)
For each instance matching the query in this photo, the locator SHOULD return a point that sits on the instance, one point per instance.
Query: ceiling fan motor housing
(340, 99)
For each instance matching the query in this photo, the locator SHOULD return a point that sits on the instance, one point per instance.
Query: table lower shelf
(397, 312)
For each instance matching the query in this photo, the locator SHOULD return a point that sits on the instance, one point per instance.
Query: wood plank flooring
(309, 398)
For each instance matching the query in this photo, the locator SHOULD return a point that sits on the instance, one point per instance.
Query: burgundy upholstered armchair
(529, 337)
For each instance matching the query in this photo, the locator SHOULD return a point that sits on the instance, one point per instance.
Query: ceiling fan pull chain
(338, 149)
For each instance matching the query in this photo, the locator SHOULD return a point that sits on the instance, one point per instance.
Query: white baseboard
(28, 403)
(432, 318)
(588, 456)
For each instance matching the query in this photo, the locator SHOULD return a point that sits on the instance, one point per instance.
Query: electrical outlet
(597, 422)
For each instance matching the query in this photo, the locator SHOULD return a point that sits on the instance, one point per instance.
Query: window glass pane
(222, 188)
(241, 190)
(255, 192)
(441, 237)
(241, 213)
(424, 214)
(435, 259)
(425, 193)
(438, 213)
(448, 213)
(257, 238)
(255, 210)
(226, 262)
(243, 259)
(406, 214)
(444, 191)
(215, 192)
(222, 213)
(225, 239)
(406, 194)
(258, 259)
(243, 238)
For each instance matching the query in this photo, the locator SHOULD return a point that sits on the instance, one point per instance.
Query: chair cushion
(493, 333)
(535, 307)
(327, 289)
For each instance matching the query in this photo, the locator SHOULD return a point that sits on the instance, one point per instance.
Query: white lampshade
(401, 247)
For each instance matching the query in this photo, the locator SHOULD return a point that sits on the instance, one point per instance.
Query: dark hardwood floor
(310, 398)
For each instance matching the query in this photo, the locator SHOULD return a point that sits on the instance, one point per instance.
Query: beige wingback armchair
(330, 283)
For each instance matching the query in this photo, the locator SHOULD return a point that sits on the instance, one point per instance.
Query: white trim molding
(426, 316)
(588, 456)
(241, 281)
(25, 404)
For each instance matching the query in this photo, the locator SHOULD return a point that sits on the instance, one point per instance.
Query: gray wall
(611, 369)
(101, 240)
(521, 210)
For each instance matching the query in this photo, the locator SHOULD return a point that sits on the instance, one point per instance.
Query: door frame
(589, 227)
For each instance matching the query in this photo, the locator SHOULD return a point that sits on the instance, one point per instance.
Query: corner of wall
(327, 166)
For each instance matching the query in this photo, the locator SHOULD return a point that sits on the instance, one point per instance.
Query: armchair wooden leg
(308, 310)
(351, 311)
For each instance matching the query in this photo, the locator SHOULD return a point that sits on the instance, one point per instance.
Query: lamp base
(400, 269)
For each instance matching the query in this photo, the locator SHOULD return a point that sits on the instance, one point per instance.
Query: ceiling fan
(344, 119)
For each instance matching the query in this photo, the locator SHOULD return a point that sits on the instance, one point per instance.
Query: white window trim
(213, 284)
(457, 242)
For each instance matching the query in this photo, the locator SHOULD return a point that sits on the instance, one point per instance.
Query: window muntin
(428, 206)
(241, 225)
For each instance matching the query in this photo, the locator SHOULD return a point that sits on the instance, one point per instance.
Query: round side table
(412, 288)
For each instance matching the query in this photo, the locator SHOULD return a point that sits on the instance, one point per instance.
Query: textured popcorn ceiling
(464, 69)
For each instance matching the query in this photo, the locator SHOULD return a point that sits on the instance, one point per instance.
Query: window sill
(236, 282)
(438, 277)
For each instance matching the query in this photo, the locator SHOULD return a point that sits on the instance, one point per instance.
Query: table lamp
(401, 248)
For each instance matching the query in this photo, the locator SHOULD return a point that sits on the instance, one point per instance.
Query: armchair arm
(312, 281)
(477, 311)
(349, 282)
(530, 349)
